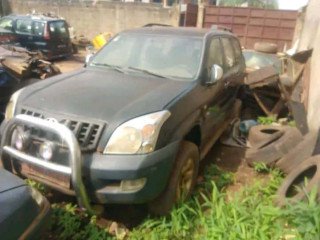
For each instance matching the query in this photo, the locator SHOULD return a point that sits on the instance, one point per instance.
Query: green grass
(210, 214)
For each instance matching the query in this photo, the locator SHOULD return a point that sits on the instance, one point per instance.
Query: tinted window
(24, 26)
(6, 23)
(38, 28)
(58, 29)
(228, 52)
(215, 55)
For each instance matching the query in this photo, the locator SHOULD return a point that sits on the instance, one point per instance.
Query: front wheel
(182, 180)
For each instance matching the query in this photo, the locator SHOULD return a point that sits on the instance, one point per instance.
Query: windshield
(166, 56)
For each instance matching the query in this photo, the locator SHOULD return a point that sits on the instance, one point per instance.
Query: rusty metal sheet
(275, 26)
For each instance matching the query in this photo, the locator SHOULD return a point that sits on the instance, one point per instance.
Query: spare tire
(260, 135)
(289, 192)
(297, 155)
(276, 149)
(265, 47)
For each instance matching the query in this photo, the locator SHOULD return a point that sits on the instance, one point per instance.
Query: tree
(270, 4)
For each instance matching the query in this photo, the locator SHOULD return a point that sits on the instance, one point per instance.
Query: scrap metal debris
(24, 64)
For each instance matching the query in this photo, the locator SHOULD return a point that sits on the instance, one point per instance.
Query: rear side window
(38, 28)
(228, 52)
(24, 26)
(58, 29)
(237, 49)
(6, 23)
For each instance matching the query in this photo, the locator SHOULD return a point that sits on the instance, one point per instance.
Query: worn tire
(297, 155)
(260, 135)
(273, 151)
(168, 198)
(309, 168)
(265, 47)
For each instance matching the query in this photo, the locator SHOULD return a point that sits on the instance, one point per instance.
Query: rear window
(39, 28)
(58, 29)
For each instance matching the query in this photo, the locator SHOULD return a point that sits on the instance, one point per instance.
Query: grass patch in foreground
(249, 214)
(209, 214)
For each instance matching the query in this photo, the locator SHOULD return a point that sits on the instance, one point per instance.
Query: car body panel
(19, 209)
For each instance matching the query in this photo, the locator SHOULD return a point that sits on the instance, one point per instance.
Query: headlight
(138, 135)
(11, 106)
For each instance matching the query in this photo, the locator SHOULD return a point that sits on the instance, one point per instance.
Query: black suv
(132, 126)
(37, 32)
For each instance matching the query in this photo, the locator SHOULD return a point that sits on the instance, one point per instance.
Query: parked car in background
(24, 212)
(134, 124)
(37, 32)
(256, 60)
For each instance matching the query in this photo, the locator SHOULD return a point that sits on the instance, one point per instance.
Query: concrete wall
(310, 38)
(93, 17)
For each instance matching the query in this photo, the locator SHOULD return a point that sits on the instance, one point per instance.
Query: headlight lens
(11, 106)
(138, 135)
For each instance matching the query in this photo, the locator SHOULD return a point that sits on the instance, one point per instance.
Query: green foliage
(269, 4)
(68, 222)
(250, 214)
(261, 167)
(38, 186)
(210, 214)
(267, 120)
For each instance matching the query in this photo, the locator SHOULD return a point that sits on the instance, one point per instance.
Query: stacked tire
(285, 148)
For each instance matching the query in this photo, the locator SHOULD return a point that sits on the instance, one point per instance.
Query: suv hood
(102, 94)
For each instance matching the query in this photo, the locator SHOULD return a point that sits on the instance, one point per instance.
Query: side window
(38, 28)
(24, 26)
(6, 23)
(228, 52)
(237, 49)
(215, 55)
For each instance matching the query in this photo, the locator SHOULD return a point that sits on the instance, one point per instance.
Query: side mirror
(216, 74)
(88, 58)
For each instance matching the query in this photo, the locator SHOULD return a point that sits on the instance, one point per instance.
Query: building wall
(310, 38)
(90, 18)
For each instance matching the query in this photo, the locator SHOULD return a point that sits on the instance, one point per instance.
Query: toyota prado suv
(133, 124)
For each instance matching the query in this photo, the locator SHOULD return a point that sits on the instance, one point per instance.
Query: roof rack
(220, 27)
(156, 25)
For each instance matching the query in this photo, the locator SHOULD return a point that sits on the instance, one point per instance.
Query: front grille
(86, 132)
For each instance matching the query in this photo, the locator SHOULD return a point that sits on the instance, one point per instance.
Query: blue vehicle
(24, 212)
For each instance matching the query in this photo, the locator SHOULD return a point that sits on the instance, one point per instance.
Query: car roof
(33, 17)
(177, 31)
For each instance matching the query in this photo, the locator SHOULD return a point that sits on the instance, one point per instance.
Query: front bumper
(94, 177)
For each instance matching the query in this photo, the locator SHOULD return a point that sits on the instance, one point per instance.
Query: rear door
(232, 74)
(59, 41)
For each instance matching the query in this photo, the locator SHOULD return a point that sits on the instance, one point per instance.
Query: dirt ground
(72, 63)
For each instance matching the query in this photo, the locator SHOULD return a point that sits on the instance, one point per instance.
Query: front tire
(182, 180)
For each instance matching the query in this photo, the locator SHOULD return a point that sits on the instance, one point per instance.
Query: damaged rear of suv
(133, 125)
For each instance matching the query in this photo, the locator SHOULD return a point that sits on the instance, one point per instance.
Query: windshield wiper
(117, 68)
(147, 72)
